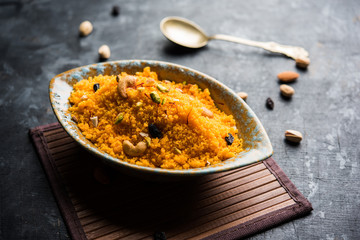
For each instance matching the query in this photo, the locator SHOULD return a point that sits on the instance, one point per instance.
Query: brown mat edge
(63, 201)
(301, 208)
(269, 220)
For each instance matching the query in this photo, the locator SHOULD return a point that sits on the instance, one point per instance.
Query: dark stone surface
(39, 39)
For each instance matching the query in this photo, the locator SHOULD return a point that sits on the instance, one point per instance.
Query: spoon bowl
(183, 32)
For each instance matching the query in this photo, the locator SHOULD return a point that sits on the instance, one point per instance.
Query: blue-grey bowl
(256, 144)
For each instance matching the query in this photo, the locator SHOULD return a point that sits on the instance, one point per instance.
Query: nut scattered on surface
(229, 139)
(293, 136)
(74, 119)
(207, 113)
(269, 103)
(85, 28)
(94, 121)
(119, 118)
(178, 151)
(115, 10)
(155, 97)
(286, 90)
(84, 97)
(154, 131)
(162, 88)
(302, 62)
(104, 52)
(243, 95)
(96, 87)
(134, 151)
(101, 176)
(124, 83)
(288, 76)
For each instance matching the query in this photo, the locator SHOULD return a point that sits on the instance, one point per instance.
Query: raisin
(154, 131)
(229, 139)
(96, 87)
(159, 236)
(269, 103)
(115, 10)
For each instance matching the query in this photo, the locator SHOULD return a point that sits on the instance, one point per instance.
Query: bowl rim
(220, 167)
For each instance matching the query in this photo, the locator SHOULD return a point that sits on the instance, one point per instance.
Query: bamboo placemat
(100, 203)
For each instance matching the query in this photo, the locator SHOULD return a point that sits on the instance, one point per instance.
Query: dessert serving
(150, 122)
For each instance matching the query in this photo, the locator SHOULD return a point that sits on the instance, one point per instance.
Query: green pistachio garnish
(178, 151)
(140, 89)
(147, 140)
(155, 97)
(162, 88)
(119, 118)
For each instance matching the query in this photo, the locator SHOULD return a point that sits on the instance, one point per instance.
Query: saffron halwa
(177, 125)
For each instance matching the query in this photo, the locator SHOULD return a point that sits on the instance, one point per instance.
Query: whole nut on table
(287, 76)
(104, 52)
(243, 95)
(302, 62)
(85, 28)
(286, 90)
(293, 136)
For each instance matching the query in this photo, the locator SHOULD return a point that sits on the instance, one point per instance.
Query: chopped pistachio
(148, 140)
(155, 97)
(74, 119)
(184, 83)
(141, 89)
(162, 88)
(84, 97)
(163, 101)
(178, 151)
(119, 118)
(94, 121)
(143, 134)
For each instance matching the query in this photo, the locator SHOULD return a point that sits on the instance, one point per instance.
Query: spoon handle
(290, 51)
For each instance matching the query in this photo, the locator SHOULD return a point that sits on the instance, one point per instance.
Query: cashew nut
(207, 113)
(125, 82)
(134, 151)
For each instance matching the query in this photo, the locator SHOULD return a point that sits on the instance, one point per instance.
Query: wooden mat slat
(278, 206)
(48, 133)
(63, 148)
(129, 208)
(60, 135)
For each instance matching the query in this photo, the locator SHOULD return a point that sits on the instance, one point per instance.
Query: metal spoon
(188, 34)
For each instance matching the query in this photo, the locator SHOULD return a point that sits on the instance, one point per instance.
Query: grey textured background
(39, 39)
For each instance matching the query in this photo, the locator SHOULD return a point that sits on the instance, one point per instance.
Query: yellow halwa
(191, 139)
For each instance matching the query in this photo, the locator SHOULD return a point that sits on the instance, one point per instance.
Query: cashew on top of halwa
(134, 151)
(125, 82)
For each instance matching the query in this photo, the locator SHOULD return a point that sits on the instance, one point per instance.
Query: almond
(302, 62)
(293, 136)
(243, 95)
(286, 90)
(288, 76)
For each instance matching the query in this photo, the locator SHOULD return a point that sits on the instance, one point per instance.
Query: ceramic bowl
(256, 144)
